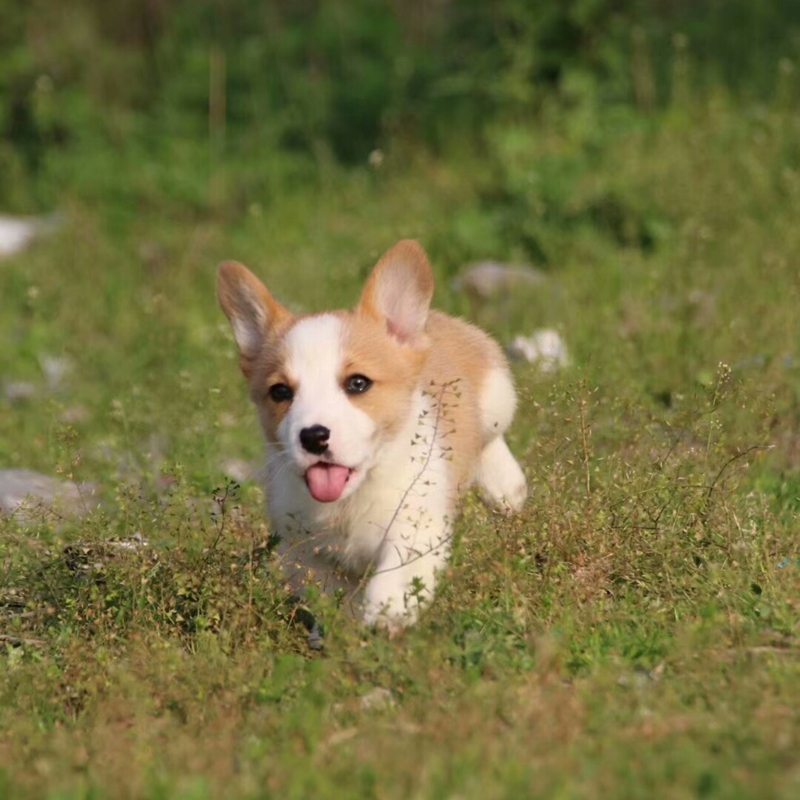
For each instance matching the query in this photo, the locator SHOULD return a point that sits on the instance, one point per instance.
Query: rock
(376, 158)
(29, 496)
(75, 414)
(153, 255)
(544, 347)
(55, 369)
(18, 391)
(316, 637)
(239, 469)
(641, 678)
(703, 306)
(487, 279)
(18, 233)
(94, 557)
(15, 235)
(378, 699)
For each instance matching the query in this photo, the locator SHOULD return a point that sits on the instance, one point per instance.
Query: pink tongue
(326, 481)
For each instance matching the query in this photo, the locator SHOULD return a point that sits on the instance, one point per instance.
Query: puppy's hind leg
(500, 477)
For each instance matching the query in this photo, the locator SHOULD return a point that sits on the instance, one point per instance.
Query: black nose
(315, 439)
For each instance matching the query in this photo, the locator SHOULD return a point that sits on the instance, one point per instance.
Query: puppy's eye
(281, 393)
(357, 384)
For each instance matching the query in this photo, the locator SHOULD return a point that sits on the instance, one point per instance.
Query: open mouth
(326, 482)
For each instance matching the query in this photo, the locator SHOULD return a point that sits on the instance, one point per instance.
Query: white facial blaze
(314, 364)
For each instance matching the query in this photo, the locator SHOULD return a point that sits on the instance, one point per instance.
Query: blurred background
(641, 159)
(213, 105)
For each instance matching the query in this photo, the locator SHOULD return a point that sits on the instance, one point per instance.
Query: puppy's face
(331, 388)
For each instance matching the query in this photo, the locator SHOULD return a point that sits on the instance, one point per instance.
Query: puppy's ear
(252, 311)
(399, 292)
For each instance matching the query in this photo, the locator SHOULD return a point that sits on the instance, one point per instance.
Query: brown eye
(357, 384)
(281, 393)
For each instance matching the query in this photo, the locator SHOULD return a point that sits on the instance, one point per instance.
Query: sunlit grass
(633, 633)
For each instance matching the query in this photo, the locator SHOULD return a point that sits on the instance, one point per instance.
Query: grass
(635, 632)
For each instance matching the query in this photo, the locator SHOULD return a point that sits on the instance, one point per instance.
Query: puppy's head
(332, 388)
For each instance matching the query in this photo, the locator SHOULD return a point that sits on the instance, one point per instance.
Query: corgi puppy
(376, 421)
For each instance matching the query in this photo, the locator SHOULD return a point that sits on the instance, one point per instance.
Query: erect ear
(253, 312)
(399, 291)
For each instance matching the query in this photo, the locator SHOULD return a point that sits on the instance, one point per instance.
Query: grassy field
(634, 633)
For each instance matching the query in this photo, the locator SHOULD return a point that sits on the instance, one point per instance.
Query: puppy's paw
(391, 621)
(501, 479)
(390, 607)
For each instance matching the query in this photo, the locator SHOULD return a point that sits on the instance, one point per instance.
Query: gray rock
(544, 347)
(95, 556)
(487, 279)
(378, 699)
(153, 255)
(75, 414)
(18, 391)
(240, 470)
(18, 233)
(29, 497)
(55, 369)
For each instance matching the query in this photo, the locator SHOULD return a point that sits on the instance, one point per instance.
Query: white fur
(498, 402)
(500, 477)
(314, 363)
(396, 525)
(392, 522)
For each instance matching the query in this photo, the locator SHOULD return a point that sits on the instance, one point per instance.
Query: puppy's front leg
(405, 576)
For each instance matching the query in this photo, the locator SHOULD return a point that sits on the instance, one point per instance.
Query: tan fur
(393, 368)
(402, 272)
(250, 308)
(461, 356)
(451, 369)
(457, 356)
(450, 360)
(429, 425)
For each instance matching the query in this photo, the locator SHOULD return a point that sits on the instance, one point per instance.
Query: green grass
(634, 633)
